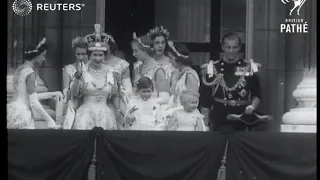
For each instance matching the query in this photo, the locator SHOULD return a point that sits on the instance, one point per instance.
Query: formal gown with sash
(96, 88)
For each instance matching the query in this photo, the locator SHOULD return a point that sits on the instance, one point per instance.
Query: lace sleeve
(25, 73)
(124, 66)
(70, 70)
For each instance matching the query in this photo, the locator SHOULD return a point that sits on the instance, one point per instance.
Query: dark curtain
(272, 156)
(124, 155)
(49, 154)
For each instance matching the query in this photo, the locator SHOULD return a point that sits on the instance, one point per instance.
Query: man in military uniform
(230, 86)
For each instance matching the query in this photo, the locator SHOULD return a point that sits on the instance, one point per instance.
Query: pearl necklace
(96, 71)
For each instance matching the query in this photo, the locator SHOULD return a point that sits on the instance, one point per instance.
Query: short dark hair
(183, 50)
(231, 36)
(144, 83)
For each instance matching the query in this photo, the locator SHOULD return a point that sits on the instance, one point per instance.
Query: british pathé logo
(294, 25)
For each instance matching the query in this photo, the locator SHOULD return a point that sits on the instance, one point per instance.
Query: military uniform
(229, 90)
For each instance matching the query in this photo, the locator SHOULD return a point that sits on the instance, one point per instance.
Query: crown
(170, 44)
(40, 44)
(159, 30)
(78, 40)
(98, 41)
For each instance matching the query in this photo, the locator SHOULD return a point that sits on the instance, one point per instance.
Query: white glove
(127, 85)
(163, 98)
(35, 105)
(65, 95)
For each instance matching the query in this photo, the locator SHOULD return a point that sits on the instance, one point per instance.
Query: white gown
(95, 91)
(19, 113)
(169, 70)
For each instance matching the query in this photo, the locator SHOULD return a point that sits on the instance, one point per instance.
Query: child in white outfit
(144, 113)
(189, 118)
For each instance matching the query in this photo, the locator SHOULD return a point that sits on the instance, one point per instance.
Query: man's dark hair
(231, 36)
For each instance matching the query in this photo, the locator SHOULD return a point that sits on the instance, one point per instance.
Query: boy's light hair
(189, 95)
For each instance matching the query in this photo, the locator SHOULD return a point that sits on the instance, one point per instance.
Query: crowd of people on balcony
(162, 93)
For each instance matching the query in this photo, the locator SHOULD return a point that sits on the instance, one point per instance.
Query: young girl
(189, 118)
(144, 113)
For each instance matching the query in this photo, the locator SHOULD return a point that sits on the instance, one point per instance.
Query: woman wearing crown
(147, 66)
(96, 85)
(160, 36)
(26, 99)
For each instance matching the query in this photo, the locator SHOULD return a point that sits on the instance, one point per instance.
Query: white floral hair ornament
(159, 30)
(78, 40)
(41, 43)
(140, 42)
(170, 44)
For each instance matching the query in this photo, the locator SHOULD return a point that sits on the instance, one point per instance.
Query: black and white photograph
(162, 89)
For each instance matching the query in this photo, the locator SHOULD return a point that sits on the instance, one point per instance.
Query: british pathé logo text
(294, 25)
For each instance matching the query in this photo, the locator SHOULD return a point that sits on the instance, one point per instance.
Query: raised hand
(133, 109)
(79, 67)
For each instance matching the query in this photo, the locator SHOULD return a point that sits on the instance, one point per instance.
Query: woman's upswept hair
(79, 42)
(145, 43)
(33, 50)
(158, 31)
(181, 52)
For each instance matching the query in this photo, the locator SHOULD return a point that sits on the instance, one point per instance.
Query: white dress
(148, 116)
(95, 91)
(120, 67)
(178, 88)
(19, 113)
(187, 121)
(169, 70)
(71, 70)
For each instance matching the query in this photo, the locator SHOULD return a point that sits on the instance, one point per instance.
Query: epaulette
(215, 62)
(206, 64)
